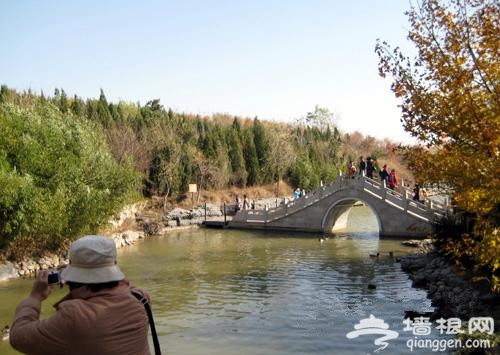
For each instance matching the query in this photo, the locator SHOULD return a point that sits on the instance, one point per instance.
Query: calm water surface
(243, 292)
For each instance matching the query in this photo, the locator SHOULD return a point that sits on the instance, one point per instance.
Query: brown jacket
(110, 321)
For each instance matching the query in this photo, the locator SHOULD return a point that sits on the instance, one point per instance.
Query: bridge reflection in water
(326, 210)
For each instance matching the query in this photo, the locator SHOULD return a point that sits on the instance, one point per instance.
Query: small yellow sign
(193, 188)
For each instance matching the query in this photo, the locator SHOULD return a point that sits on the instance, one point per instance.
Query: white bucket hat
(92, 259)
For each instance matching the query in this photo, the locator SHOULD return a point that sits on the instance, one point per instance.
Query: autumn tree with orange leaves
(450, 102)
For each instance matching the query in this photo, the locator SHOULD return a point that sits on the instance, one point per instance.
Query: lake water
(244, 292)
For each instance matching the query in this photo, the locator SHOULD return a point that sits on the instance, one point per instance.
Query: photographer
(98, 316)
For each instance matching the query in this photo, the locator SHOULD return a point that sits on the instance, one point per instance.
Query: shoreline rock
(451, 289)
(29, 266)
(423, 245)
(148, 222)
(8, 271)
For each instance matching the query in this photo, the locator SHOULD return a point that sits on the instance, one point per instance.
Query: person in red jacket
(98, 316)
(351, 170)
(392, 180)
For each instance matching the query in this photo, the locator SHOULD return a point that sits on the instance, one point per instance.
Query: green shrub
(57, 176)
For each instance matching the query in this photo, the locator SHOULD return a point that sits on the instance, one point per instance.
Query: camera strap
(145, 302)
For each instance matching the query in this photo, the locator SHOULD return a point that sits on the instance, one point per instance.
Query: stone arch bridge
(326, 210)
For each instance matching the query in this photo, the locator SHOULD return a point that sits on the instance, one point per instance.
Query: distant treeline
(67, 164)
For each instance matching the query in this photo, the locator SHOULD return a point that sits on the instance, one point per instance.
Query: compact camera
(54, 277)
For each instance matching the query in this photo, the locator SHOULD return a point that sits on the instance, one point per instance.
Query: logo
(374, 326)
(421, 328)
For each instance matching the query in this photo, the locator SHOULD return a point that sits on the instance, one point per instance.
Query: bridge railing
(402, 201)
(290, 206)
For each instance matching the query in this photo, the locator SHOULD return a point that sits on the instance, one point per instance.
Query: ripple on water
(277, 296)
(240, 292)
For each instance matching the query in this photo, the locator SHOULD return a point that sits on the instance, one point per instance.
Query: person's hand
(41, 289)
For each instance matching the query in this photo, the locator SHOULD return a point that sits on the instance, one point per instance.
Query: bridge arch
(337, 214)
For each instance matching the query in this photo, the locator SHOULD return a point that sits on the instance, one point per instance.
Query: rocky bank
(451, 288)
(144, 224)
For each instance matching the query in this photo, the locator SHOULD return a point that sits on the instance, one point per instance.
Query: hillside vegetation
(67, 165)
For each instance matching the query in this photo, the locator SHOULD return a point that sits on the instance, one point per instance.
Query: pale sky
(272, 59)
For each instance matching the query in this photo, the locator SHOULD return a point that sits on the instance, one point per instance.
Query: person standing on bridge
(384, 174)
(416, 192)
(423, 193)
(370, 167)
(351, 170)
(246, 202)
(237, 203)
(362, 166)
(392, 180)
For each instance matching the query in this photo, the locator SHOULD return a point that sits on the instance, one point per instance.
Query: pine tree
(261, 146)
(115, 113)
(103, 113)
(3, 93)
(235, 150)
(77, 106)
(251, 160)
(206, 139)
(63, 102)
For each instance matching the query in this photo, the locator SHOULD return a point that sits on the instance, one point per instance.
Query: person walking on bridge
(392, 180)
